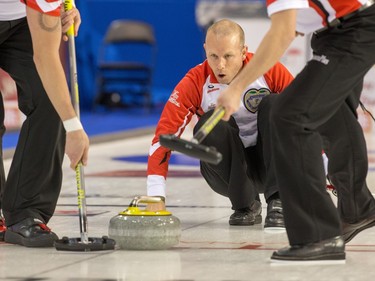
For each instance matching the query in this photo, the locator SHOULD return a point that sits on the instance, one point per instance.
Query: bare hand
(154, 207)
(230, 100)
(67, 19)
(77, 147)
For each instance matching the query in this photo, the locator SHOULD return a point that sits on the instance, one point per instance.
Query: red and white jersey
(49, 7)
(315, 14)
(197, 93)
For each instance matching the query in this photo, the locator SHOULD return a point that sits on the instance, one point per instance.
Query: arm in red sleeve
(182, 104)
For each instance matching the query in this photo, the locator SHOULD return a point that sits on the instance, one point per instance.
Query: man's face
(225, 55)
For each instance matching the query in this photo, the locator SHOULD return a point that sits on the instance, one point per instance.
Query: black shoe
(30, 233)
(275, 216)
(323, 252)
(350, 230)
(247, 216)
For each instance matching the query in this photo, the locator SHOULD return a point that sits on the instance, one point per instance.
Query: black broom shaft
(208, 125)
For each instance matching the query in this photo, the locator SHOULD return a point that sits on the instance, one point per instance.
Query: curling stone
(136, 229)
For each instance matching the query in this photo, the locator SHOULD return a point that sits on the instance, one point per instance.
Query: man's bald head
(225, 27)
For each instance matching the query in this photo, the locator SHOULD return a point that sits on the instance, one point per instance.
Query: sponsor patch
(173, 98)
(323, 59)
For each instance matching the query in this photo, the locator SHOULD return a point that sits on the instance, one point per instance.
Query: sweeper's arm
(46, 34)
(272, 47)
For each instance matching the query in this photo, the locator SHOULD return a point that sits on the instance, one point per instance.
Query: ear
(244, 52)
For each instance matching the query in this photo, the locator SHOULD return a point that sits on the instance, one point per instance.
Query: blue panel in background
(179, 39)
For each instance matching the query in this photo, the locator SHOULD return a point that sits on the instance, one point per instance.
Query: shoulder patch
(253, 97)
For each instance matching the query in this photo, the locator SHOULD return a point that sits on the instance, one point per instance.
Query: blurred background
(178, 30)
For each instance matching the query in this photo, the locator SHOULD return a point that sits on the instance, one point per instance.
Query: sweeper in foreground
(30, 38)
(317, 111)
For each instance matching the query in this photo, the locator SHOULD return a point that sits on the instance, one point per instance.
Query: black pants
(34, 180)
(316, 112)
(243, 172)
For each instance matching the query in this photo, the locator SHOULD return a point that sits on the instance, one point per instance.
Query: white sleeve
(156, 185)
(281, 5)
